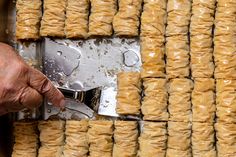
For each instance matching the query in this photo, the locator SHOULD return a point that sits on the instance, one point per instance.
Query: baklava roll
(152, 53)
(153, 139)
(226, 143)
(126, 21)
(201, 37)
(178, 153)
(28, 16)
(179, 99)
(203, 139)
(53, 21)
(51, 138)
(76, 24)
(179, 137)
(100, 138)
(125, 139)
(101, 17)
(128, 95)
(224, 40)
(153, 19)
(177, 57)
(25, 139)
(154, 104)
(203, 100)
(178, 17)
(76, 139)
(226, 100)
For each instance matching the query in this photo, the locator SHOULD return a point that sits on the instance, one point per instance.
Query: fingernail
(62, 103)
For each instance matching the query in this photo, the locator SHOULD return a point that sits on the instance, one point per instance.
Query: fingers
(30, 98)
(43, 85)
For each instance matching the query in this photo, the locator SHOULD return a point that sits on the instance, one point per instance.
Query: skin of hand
(22, 86)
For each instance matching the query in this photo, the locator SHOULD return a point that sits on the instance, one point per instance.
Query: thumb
(43, 85)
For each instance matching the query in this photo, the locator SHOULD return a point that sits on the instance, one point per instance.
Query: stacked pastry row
(224, 40)
(52, 138)
(71, 18)
(224, 55)
(203, 111)
(153, 21)
(226, 115)
(179, 126)
(177, 42)
(25, 139)
(201, 44)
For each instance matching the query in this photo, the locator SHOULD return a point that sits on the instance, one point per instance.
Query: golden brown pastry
(100, 138)
(154, 104)
(28, 16)
(153, 18)
(202, 20)
(128, 95)
(126, 21)
(76, 139)
(25, 139)
(52, 151)
(101, 17)
(178, 153)
(51, 138)
(125, 139)
(226, 143)
(224, 43)
(53, 21)
(203, 139)
(177, 53)
(177, 42)
(152, 53)
(203, 100)
(179, 99)
(153, 139)
(179, 136)
(178, 17)
(76, 24)
(226, 100)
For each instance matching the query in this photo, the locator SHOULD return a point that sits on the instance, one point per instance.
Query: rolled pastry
(203, 100)
(76, 24)
(179, 99)
(53, 21)
(154, 104)
(202, 20)
(28, 16)
(203, 138)
(226, 135)
(152, 53)
(153, 139)
(177, 48)
(51, 138)
(178, 17)
(153, 18)
(125, 139)
(126, 21)
(225, 100)
(224, 43)
(128, 95)
(100, 138)
(179, 136)
(76, 139)
(25, 139)
(100, 20)
(177, 53)
(178, 153)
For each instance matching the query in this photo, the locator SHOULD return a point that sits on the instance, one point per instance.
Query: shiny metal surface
(87, 64)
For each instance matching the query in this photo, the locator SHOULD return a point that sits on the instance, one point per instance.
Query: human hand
(22, 86)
